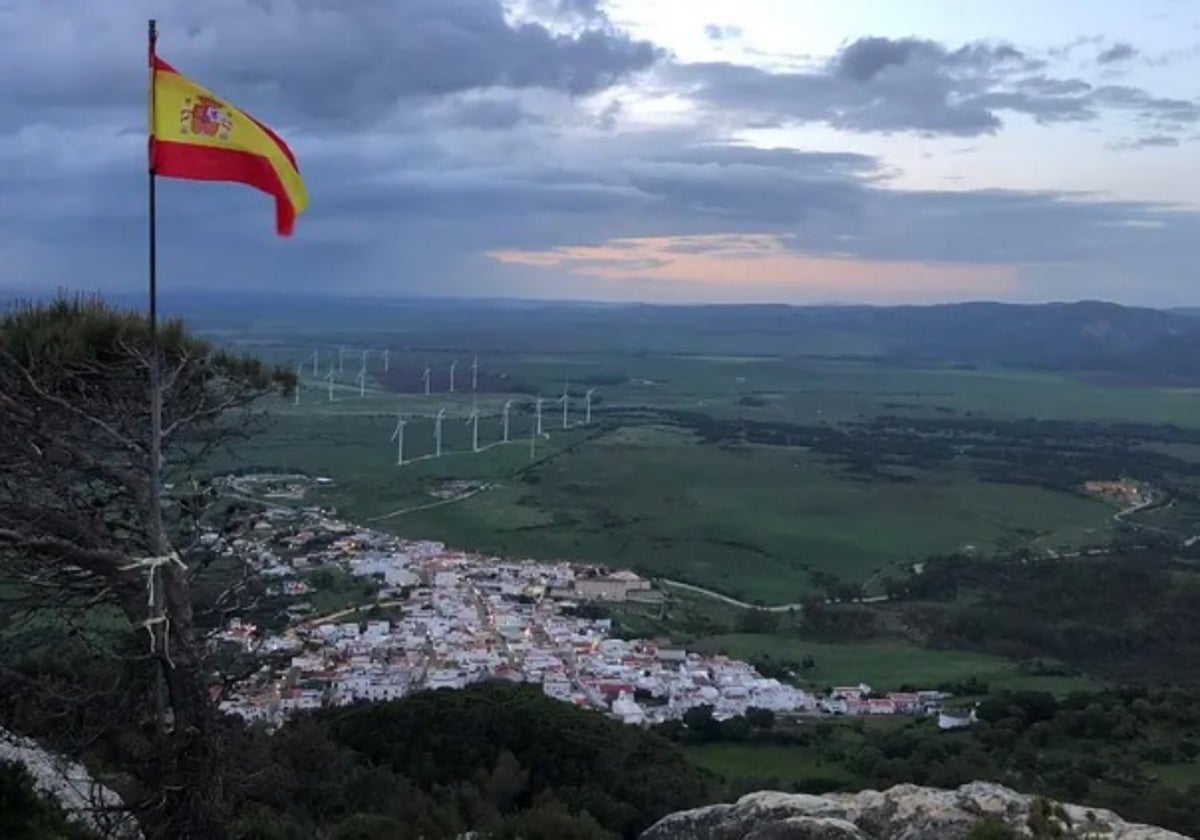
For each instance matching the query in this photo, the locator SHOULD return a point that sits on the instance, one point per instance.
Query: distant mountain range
(1102, 340)
(1086, 337)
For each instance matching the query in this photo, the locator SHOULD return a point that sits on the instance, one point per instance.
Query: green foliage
(493, 757)
(884, 665)
(620, 775)
(1048, 820)
(1127, 616)
(336, 589)
(552, 821)
(992, 828)
(70, 339)
(699, 505)
(24, 815)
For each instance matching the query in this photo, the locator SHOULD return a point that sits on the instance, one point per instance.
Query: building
(614, 587)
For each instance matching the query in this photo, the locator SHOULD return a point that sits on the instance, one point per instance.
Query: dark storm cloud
(322, 59)
(839, 100)
(1117, 52)
(433, 131)
(490, 114)
(420, 222)
(889, 85)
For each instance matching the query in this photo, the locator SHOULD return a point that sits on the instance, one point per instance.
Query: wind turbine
(364, 359)
(475, 373)
(329, 379)
(398, 436)
(299, 373)
(565, 399)
(453, 365)
(437, 433)
(473, 422)
(538, 427)
(507, 406)
(316, 360)
(341, 359)
(362, 379)
(587, 407)
(387, 360)
(533, 436)
(425, 379)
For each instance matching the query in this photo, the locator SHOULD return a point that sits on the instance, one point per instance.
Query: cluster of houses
(445, 618)
(1123, 491)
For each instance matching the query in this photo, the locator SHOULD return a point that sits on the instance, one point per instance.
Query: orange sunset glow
(763, 261)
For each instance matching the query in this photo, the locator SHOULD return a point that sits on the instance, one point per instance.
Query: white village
(454, 617)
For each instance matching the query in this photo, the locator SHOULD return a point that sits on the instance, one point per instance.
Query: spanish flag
(197, 135)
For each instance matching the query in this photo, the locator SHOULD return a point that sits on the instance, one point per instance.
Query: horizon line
(9, 296)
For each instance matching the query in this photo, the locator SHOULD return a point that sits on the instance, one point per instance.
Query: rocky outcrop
(69, 784)
(904, 812)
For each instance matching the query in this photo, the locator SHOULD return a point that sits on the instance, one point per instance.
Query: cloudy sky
(663, 150)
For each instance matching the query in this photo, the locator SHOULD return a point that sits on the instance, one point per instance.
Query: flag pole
(159, 641)
(153, 38)
(158, 546)
(157, 538)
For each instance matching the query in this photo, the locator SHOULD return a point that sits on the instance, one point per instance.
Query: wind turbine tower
(475, 373)
(299, 373)
(507, 406)
(364, 359)
(362, 379)
(533, 436)
(538, 426)
(425, 379)
(387, 360)
(437, 433)
(565, 399)
(341, 359)
(316, 360)
(453, 365)
(473, 422)
(329, 379)
(398, 436)
(587, 407)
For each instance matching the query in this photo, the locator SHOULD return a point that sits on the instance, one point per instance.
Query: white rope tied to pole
(151, 565)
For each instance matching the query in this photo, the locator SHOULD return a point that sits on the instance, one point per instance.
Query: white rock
(904, 812)
(83, 798)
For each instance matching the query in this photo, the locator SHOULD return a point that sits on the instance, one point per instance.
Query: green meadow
(636, 489)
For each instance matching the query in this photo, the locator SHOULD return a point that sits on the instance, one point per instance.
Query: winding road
(733, 602)
(461, 497)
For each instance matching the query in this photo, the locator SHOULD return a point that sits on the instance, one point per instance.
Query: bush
(26, 816)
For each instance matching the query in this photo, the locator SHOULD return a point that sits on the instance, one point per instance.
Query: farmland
(729, 453)
(666, 479)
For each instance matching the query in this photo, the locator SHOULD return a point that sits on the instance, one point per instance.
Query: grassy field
(886, 665)
(667, 510)
(1181, 776)
(794, 388)
(761, 763)
(754, 522)
(631, 490)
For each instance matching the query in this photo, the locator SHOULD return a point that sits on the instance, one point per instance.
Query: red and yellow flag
(195, 134)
